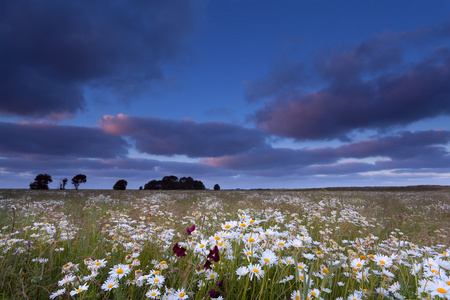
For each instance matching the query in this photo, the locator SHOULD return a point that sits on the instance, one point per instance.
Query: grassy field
(320, 244)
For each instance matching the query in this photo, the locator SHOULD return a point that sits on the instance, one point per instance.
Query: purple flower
(190, 230)
(213, 293)
(207, 265)
(179, 251)
(214, 254)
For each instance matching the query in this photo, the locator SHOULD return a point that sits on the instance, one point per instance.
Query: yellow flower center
(181, 295)
(110, 285)
(211, 276)
(119, 271)
(79, 290)
(227, 226)
(251, 240)
(325, 270)
(249, 253)
(156, 280)
(382, 262)
(300, 267)
(297, 297)
(266, 260)
(288, 261)
(243, 225)
(280, 244)
(442, 291)
(358, 265)
(98, 263)
(256, 270)
(301, 277)
(252, 221)
(163, 262)
(448, 282)
(153, 294)
(220, 244)
(157, 272)
(313, 293)
(217, 237)
(201, 246)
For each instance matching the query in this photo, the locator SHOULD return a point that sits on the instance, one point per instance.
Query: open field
(347, 244)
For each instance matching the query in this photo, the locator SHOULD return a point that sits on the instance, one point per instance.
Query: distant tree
(172, 183)
(198, 185)
(153, 185)
(217, 187)
(41, 182)
(169, 183)
(78, 179)
(62, 184)
(120, 185)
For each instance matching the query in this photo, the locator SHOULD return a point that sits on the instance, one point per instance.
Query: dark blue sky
(247, 94)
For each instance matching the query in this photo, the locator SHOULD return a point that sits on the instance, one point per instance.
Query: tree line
(42, 180)
(166, 183)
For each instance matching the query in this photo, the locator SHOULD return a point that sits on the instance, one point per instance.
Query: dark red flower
(207, 265)
(214, 254)
(190, 230)
(213, 293)
(179, 251)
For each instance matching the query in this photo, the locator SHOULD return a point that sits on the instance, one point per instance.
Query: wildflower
(309, 256)
(214, 254)
(256, 270)
(110, 284)
(268, 257)
(190, 230)
(210, 275)
(119, 271)
(153, 294)
(358, 263)
(383, 260)
(57, 293)
(201, 247)
(97, 264)
(296, 295)
(439, 288)
(179, 251)
(156, 280)
(242, 271)
(355, 296)
(66, 279)
(81, 288)
(314, 293)
(180, 294)
(213, 293)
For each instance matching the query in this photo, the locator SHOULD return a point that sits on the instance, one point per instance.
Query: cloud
(46, 141)
(167, 137)
(380, 84)
(405, 150)
(50, 51)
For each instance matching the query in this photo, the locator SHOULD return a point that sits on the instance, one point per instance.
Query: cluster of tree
(172, 183)
(42, 180)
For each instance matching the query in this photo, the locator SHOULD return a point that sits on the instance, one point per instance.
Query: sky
(244, 94)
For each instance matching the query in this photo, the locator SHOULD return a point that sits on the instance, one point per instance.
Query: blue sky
(246, 94)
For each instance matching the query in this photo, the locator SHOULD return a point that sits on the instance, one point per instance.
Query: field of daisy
(224, 245)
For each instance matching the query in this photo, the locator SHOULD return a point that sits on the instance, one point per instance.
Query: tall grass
(269, 244)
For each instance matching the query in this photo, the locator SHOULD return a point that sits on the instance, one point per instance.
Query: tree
(41, 182)
(217, 187)
(62, 184)
(78, 179)
(120, 185)
(169, 183)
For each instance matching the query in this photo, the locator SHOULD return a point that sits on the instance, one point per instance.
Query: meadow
(224, 244)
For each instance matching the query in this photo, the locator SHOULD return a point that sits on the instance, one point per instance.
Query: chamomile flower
(242, 271)
(180, 294)
(66, 280)
(255, 270)
(80, 289)
(156, 280)
(110, 284)
(383, 261)
(119, 271)
(153, 294)
(57, 293)
(296, 295)
(268, 257)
